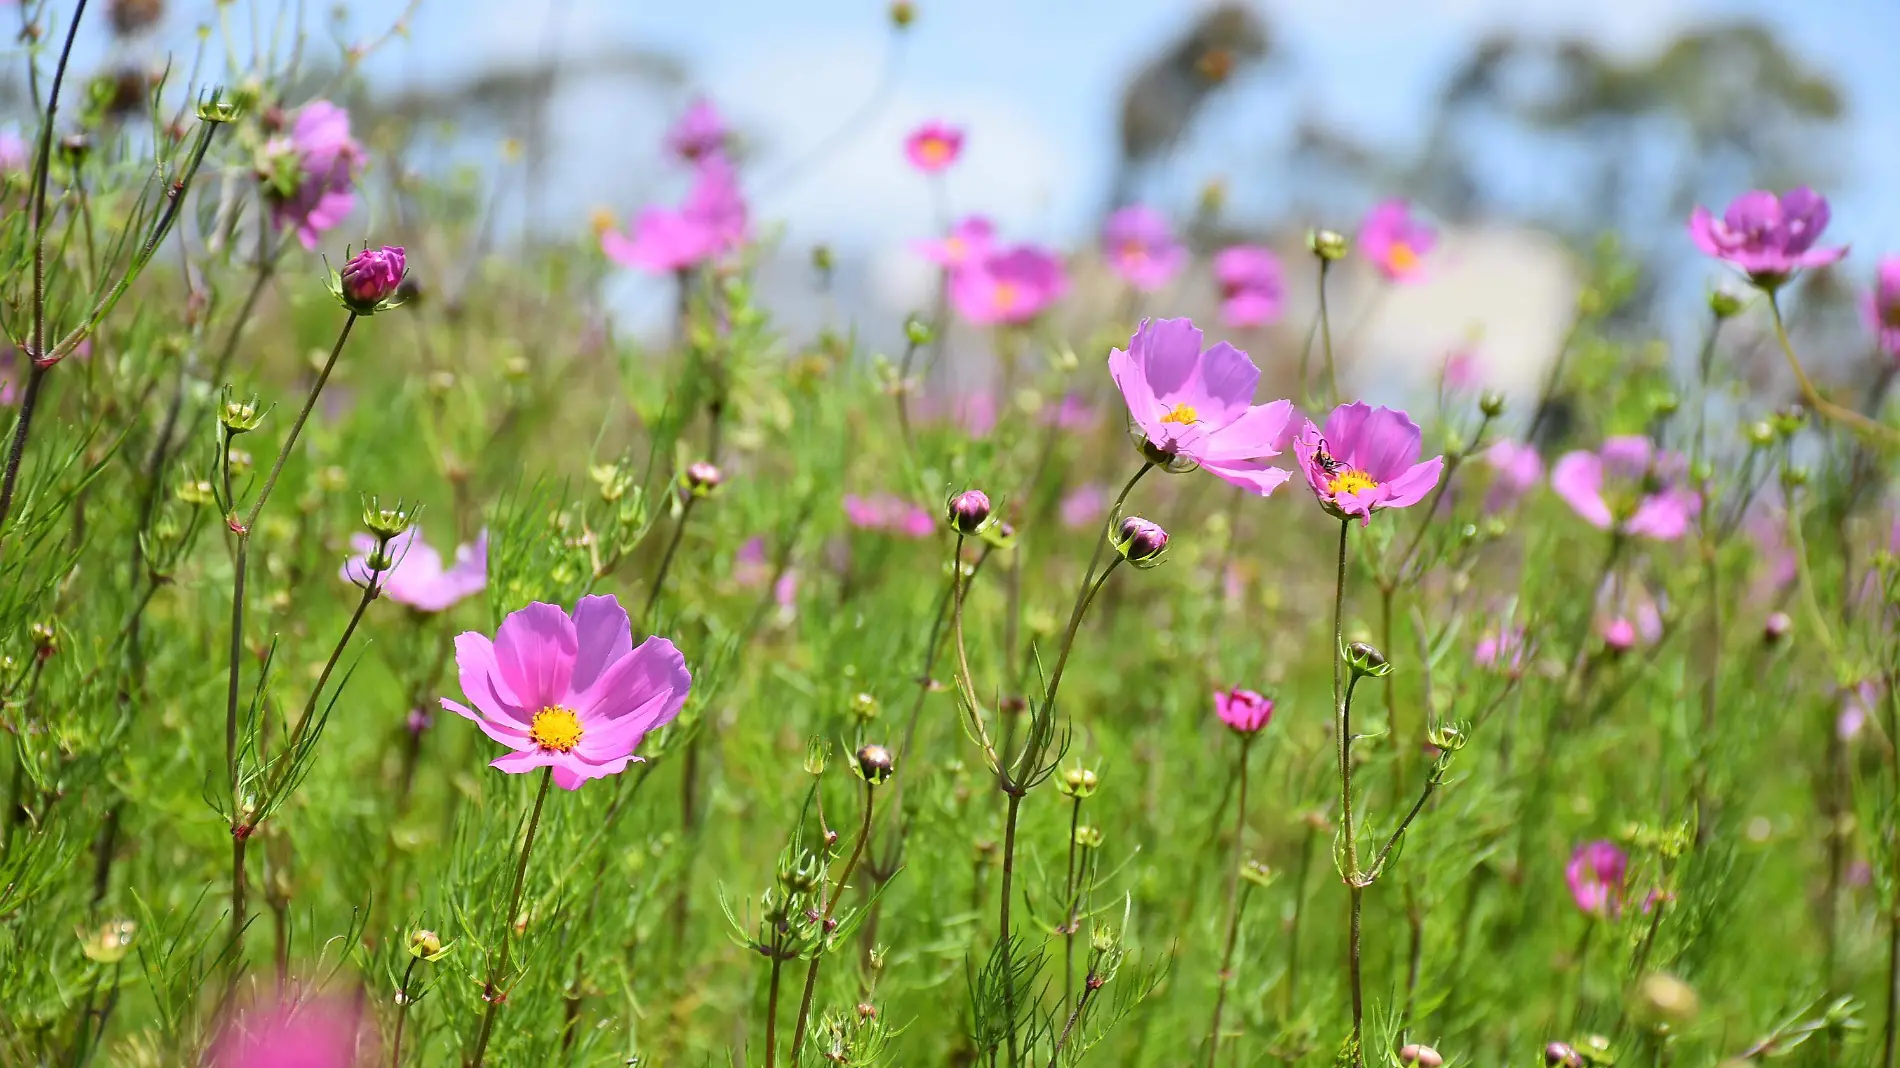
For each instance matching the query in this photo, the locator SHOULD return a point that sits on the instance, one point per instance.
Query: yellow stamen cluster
(1401, 257)
(1183, 414)
(1351, 480)
(555, 728)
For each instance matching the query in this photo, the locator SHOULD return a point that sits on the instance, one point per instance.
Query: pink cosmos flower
(1516, 470)
(1857, 703)
(1596, 874)
(1395, 241)
(1252, 287)
(967, 243)
(752, 569)
(1627, 614)
(1141, 248)
(1072, 413)
(700, 132)
(373, 276)
(1365, 460)
(1010, 287)
(889, 515)
(316, 191)
(1083, 506)
(1501, 648)
(1644, 498)
(1461, 371)
(1197, 407)
(933, 147)
(1243, 710)
(569, 692)
(322, 1033)
(1883, 305)
(1767, 237)
(709, 224)
(419, 580)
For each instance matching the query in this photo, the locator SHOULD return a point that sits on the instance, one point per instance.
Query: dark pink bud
(1561, 1055)
(1141, 540)
(702, 477)
(372, 277)
(1776, 627)
(1418, 1056)
(969, 510)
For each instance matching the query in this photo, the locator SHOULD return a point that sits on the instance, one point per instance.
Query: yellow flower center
(1183, 414)
(1134, 252)
(934, 150)
(555, 728)
(1007, 295)
(1351, 480)
(1400, 257)
(954, 248)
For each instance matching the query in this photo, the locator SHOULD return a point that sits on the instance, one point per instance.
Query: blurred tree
(1161, 100)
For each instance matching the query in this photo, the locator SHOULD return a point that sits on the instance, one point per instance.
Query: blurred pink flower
(1857, 703)
(749, 564)
(321, 1033)
(1141, 248)
(1252, 287)
(1644, 495)
(1767, 237)
(709, 224)
(1083, 506)
(1395, 241)
(933, 147)
(1596, 874)
(967, 243)
(1073, 412)
(1501, 648)
(890, 515)
(569, 691)
(1366, 460)
(1010, 287)
(1197, 406)
(418, 578)
(1462, 371)
(1243, 710)
(1883, 305)
(1626, 615)
(1516, 470)
(312, 172)
(700, 132)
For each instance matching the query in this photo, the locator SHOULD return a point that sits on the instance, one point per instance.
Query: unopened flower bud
(240, 417)
(1141, 542)
(1257, 873)
(1668, 999)
(425, 944)
(968, 512)
(701, 478)
(1776, 627)
(917, 332)
(1417, 1056)
(215, 108)
(1326, 244)
(1562, 1055)
(1367, 661)
(386, 523)
(903, 13)
(1088, 837)
(1664, 402)
(369, 281)
(1078, 782)
(1724, 303)
(1491, 404)
(817, 755)
(822, 260)
(1761, 433)
(875, 764)
(864, 707)
(1789, 421)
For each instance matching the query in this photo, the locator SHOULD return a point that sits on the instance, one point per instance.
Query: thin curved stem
(492, 992)
(831, 908)
(1860, 424)
(1234, 902)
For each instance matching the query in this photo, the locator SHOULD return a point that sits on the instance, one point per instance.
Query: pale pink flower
(1141, 248)
(1011, 287)
(1596, 873)
(967, 243)
(1395, 241)
(1630, 486)
(1365, 460)
(933, 147)
(418, 578)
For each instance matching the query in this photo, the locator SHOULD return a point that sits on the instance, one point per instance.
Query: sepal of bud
(1078, 782)
(240, 417)
(213, 107)
(1725, 303)
(1256, 872)
(387, 523)
(1491, 404)
(817, 755)
(426, 945)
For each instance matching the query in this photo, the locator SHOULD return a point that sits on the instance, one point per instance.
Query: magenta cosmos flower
(1252, 287)
(700, 132)
(709, 224)
(418, 578)
(1883, 306)
(967, 243)
(1011, 287)
(569, 692)
(1141, 248)
(1243, 710)
(1501, 648)
(311, 172)
(1196, 407)
(889, 515)
(1365, 460)
(933, 147)
(1765, 236)
(321, 1033)
(1596, 873)
(371, 277)
(1395, 241)
(1628, 486)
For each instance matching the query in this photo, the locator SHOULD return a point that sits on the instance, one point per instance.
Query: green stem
(492, 992)
(831, 908)
(1823, 407)
(1234, 900)
(1342, 710)
(1326, 332)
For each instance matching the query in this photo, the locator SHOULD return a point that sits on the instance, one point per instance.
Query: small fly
(1326, 460)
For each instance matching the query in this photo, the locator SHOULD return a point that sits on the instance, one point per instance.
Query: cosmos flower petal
(535, 648)
(605, 635)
